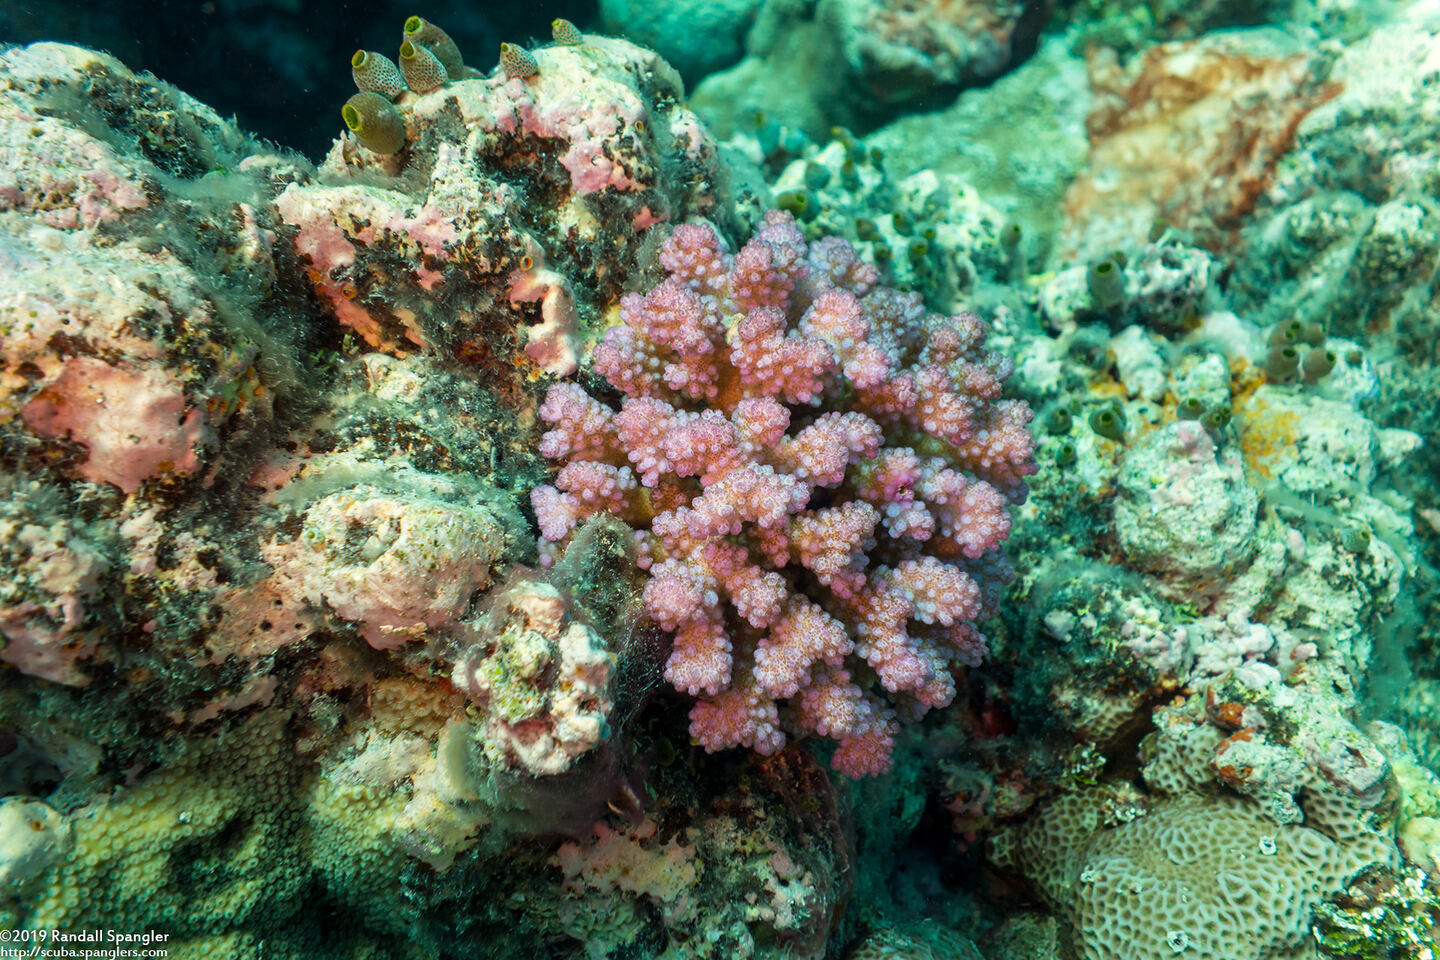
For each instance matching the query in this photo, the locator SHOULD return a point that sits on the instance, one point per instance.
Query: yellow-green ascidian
(376, 73)
(517, 61)
(423, 70)
(375, 121)
(565, 32)
(423, 33)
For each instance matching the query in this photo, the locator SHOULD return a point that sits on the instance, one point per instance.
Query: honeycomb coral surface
(1200, 879)
(720, 480)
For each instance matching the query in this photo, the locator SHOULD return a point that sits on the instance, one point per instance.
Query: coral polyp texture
(820, 471)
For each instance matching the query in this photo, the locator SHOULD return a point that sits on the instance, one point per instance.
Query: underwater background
(832, 479)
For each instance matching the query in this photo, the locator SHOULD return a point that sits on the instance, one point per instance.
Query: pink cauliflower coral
(818, 471)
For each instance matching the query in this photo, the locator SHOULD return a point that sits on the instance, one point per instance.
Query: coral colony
(964, 502)
(820, 452)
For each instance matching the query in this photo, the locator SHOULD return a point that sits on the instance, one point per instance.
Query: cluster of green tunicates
(1109, 423)
(429, 59)
(930, 236)
(916, 243)
(858, 182)
(779, 144)
(1058, 423)
(1298, 352)
(1213, 417)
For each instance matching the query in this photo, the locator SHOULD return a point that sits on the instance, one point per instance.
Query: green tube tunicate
(437, 41)
(375, 121)
(1357, 540)
(850, 175)
(799, 203)
(517, 62)
(1059, 421)
(1313, 333)
(1191, 408)
(1106, 281)
(1216, 418)
(1318, 362)
(423, 70)
(817, 177)
(1282, 363)
(376, 73)
(767, 135)
(1108, 423)
(917, 250)
(1065, 455)
(865, 229)
(902, 223)
(566, 33)
(1287, 333)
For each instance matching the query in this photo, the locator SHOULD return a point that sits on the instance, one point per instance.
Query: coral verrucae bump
(819, 472)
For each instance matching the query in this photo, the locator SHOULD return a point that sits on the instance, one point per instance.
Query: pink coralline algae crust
(902, 49)
(818, 471)
(44, 613)
(135, 424)
(588, 98)
(472, 240)
(420, 561)
(1189, 132)
(63, 177)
